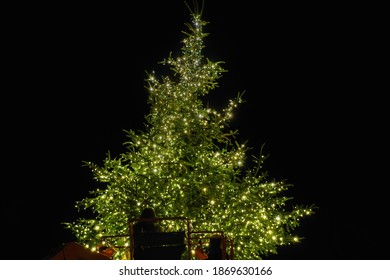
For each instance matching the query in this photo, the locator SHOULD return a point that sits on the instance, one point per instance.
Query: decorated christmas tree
(187, 162)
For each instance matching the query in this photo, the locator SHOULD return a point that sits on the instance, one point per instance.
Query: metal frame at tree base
(193, 239)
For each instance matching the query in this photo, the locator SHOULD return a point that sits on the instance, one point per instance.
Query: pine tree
(187, 162)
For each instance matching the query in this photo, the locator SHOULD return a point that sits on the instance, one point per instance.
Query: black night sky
(75, 79)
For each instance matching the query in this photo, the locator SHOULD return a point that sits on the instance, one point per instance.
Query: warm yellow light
(185, 159)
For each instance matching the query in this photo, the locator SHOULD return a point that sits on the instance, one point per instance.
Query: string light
(186, 163)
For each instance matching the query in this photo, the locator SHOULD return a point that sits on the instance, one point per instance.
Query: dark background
(314, 96)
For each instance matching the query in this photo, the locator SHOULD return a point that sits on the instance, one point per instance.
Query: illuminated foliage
(188, 163)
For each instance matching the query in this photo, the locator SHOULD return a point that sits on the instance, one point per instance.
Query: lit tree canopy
(188, 163)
